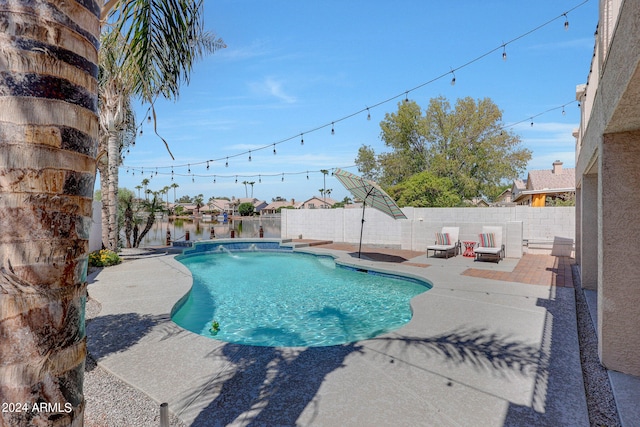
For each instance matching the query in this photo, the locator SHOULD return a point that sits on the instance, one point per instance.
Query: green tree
(185, 199)
(246, 209)
(465, 144)
(424, 189)
(199, 202)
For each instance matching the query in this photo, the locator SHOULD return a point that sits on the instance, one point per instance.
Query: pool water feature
(290, 299)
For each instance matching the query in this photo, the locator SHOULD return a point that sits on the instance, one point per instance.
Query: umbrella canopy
(371, 194)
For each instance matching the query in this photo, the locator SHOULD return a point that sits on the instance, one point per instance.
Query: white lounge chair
(490, 243)
(446, 241)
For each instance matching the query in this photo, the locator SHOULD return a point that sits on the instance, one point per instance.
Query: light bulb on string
(249, 155)
(301, 139)
(188, 168)
(259, 179)
(453, 80)
(193, 179)
(531, 122)
(566, 22)
(142, 171)
(564, 113)
(148, 119)
(274, 149)
(368, 114)
(282, 177)
(236, 179)
(156, 171)
(406, 97)
(207, 164)
(141, 132)
(504, 52)
(307, 175)
(226, 164)
(214, 179)
(333, 131)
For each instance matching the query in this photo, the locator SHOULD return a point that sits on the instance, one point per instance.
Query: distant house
(274, 207)
(318, 203)
(557, 182)
(232, 205)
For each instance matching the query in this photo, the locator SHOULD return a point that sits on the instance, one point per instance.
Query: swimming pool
(290, 299)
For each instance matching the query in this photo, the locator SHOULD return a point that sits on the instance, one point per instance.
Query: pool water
(291, 300)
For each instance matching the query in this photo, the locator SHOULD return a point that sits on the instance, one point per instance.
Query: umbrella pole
(361, 228)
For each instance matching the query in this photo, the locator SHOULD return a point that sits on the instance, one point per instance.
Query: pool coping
(478, 351)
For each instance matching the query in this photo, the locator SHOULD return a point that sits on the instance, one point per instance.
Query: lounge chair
(446, 241)
(490, 243)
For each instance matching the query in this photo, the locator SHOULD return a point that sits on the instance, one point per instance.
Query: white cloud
(272, 87)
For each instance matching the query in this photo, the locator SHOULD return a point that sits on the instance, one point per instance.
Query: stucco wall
(546, 229)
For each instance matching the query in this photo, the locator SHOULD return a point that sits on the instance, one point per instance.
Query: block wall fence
(525, 229)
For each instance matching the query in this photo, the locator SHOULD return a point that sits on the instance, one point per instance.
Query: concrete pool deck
(480, 350)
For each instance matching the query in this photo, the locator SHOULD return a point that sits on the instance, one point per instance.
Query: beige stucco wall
(608, 167)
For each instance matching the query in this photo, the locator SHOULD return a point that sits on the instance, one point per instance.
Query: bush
(103, 258)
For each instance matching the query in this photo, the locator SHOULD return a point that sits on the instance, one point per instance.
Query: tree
(324, 180)
(246, 209)
(185, 199)
(424, 189)
(466, 144)
(246, 193)
(48, 145)
(199, 202)
(124, 75)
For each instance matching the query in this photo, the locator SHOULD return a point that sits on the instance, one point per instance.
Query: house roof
(549, 180)
(327, 200)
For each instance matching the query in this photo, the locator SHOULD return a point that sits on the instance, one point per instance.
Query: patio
(490, 344)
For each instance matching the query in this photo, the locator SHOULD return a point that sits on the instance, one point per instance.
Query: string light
(307, 175)
(207, 164)
(282, 176)
(249, 155)
(504, 52)
(140, 131)
(214, 179)
(274, 149)
(226, 164)
(333, 131)
(236, 179)
(149, 119)
(301, 139)
(259, 179)
(406, 97)
(368, 114)
(453, 80)
(189, 168)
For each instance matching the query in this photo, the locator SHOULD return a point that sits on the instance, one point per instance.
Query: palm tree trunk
(48, 144)
(113, 154)
(104, 190)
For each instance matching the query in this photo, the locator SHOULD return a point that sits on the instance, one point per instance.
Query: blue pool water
(291, 299)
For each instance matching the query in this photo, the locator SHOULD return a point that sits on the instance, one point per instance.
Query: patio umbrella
(370, 193)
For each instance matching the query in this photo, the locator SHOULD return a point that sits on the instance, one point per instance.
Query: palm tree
(138, 187)
(145, 182)
(174, 186)
(199, 202)
(324, 181)
(246, 194)
(48, 137)
(251, 184)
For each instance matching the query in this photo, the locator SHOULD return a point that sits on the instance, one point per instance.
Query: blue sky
(293, 68)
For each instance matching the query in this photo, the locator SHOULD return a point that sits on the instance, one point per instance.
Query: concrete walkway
(478, 351)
